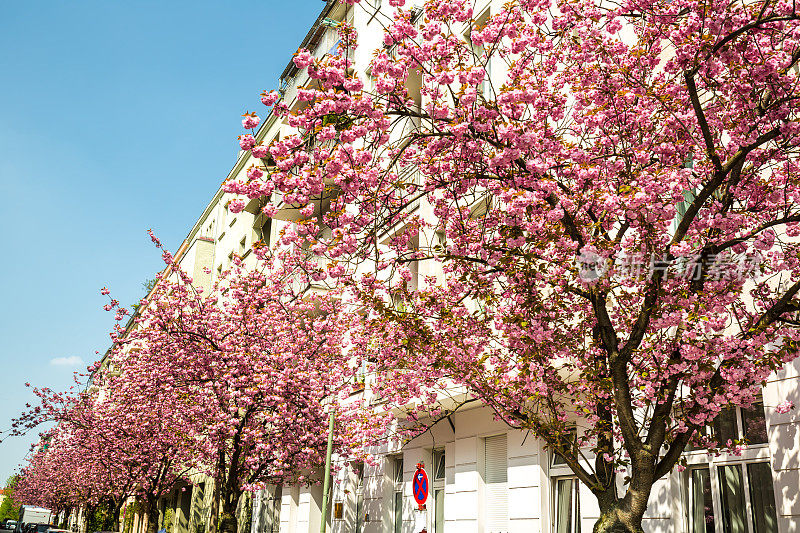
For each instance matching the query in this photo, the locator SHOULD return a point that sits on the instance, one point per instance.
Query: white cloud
(66, 361)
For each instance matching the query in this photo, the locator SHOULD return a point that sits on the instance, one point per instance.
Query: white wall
(784, 444)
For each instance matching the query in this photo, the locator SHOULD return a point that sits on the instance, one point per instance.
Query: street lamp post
(326, 484)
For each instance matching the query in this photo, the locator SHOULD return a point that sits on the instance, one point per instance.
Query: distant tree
(9, 508)
(101, 452)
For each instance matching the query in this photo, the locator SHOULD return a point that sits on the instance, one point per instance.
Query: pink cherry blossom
(270, 98)
(303, 58)
(246, 142)
(250, 121)
(784, 407)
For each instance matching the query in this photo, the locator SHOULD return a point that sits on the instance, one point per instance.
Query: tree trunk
(84, 526)
(229, 521)
(108, 511)
(610, 522)
(213, 517)
(67, 516)
(622, 515)
(151, 512)
(117, 512)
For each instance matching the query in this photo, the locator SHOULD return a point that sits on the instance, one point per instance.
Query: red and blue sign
(420, 486)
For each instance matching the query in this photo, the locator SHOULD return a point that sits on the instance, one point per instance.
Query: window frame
(438, 483)
(749, 454)
(397, 478)
(711, 431)
(714, 465)
(687, 492)
(554, 454)
(575, 506)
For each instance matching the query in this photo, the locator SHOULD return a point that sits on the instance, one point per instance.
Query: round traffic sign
(420, 486)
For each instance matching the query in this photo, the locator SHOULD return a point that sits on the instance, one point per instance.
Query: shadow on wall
(786, 472)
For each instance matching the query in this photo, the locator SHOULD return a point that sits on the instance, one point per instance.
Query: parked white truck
(30, 514)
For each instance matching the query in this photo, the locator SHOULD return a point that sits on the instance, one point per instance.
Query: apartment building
(486, 478)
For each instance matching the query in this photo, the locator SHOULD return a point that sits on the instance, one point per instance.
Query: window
(275, 509)
(731, 485)
(398, 302)
(397, 469)
(438, 490)
(438, 464)
(358, 470)
(743, 499)
(496, 484)
(754, 424)
(701, 505)
(361, 380)
(438, 503)
(567, 508)
(736, 423)
(413, 266)
(725, 427)
(557, 458)
(440, 242)
(396, 464)
(338, 511)
(398, 512)
(198, 507)
(683, 205)
(268, 519)
(262, 229)
(242, 246)
(762, 498)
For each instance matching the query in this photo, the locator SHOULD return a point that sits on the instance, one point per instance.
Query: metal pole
(326, 485)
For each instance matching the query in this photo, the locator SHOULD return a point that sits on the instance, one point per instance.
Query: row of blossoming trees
(614, 211)
(235, 385)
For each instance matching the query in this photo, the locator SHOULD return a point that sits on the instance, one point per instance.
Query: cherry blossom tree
(135, 431)
(103, 450)
(610, 190)
(245, 375)
(43, 482)
(237, 384)
(67, 467)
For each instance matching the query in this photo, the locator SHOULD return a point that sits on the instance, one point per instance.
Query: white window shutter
(496, 484)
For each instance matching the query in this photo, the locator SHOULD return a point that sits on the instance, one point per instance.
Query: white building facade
(484, 477)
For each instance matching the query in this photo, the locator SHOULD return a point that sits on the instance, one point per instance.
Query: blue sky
(115, 117)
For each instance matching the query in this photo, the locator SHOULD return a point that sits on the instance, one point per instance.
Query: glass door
(701, 502)
(438, 473)
(732, 498)
(567, 510)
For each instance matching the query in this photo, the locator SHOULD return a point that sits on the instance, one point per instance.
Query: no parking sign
(420, 485)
